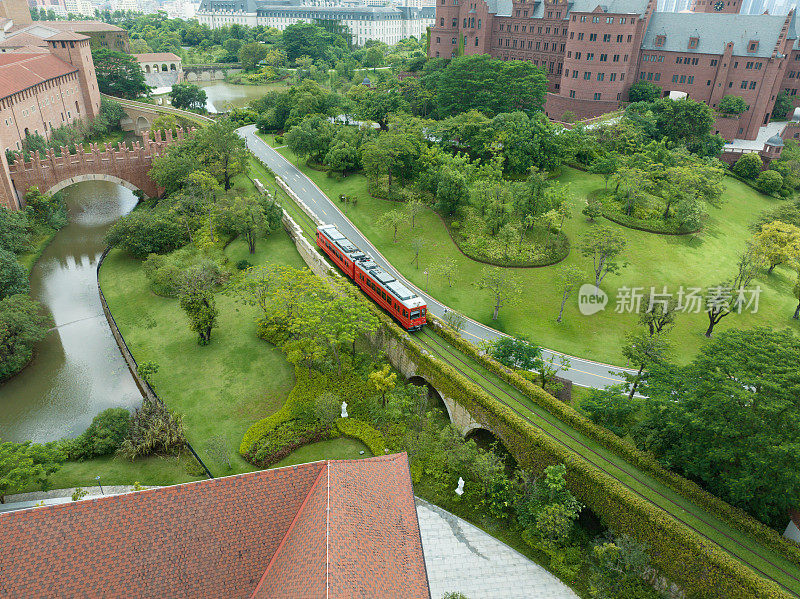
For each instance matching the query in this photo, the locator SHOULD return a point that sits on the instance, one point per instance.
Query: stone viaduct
(127, 166)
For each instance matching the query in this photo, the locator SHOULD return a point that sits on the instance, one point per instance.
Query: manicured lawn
(342, 448)
(654, 260)
(119, 471)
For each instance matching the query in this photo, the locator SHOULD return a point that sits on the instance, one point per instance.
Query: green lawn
(654, 260)
(341, 448)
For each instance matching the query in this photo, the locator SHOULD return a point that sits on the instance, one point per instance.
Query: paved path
(585, 373)
(460, 557)
(23, 501)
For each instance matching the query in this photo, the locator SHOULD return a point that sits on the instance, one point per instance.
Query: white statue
(344, 409)
(460, 487)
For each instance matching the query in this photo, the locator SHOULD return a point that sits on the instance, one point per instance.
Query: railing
(144, 387)
(164, 109)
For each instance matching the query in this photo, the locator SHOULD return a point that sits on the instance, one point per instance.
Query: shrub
(153, 430)
(748, 166)
(732, 105)
(243, 265)
(644, 91)
(279, 140)
(103, 437)
(144, 232)
(769, 182)
(358, 429)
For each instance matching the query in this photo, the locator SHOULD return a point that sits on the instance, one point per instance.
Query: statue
(460, 487)
(344, 409)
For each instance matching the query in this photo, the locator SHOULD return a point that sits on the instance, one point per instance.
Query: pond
(78, 370)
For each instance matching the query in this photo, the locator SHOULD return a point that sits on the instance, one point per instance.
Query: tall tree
(24, 463)
(251, 54)
(777, 243)
(188, 96)
(197, 300)
(568, 279)
(731, 420)
(391, 220)
(220, 151)
(603, 245)
(13, 275)
(503, 286)
(118, 74)
(730, 296)
(22, 325)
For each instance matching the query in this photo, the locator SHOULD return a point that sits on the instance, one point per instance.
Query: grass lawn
(341, 448)
(654, 260)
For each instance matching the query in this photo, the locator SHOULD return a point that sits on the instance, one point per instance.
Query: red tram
(403, 304)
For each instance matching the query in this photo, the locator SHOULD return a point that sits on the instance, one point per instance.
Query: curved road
(585, 373)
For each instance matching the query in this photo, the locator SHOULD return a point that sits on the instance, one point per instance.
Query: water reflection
(78, 370)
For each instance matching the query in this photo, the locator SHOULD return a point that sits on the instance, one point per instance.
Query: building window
(476, 41)
(752, 46)
(592, 37)
(583, 19)
(600, 76)
(580, 36)
(612, 77)
(743, 85)
(657, 77)
(714, 61)
(693, 41)
(753, 84)
(479, 23)
(603, 57)
(615, 58)
(587, 75)
(575, 74)
(674, 79)
(438, 40)
(595, 19)
(455, 22)
(577, 55)
(590, 56)
(660, 39)
(453, 41)
(609, 19)
(572, 93)
(606, 37)
(597, 95)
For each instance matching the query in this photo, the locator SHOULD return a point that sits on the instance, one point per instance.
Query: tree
(516, 352)
(311, 138)
(342, 157)
(688, 122)
(730, 296)
(24, 463)
(373, 57)
(776, 243)
(447, 268)
(748, 166)
(393, 154)
(413, 207)
(220, 151)
(391, 220)
(620, 569)
(242, 216)
(251, 54)
(376, 104)
(568, 279)
(197, 300)
(730, 420)
(642, 350)
(15, 231)
(21, 326)
(796, 295)
(593, 208)
(13, 276)
(306, 39)
(144, 232)
(546, 508)
(383, 380)
(769, 182)
(658, 313)
(118, 74)
(503, 286)
(606, 165)
(452, 191)
(644, 91)
(188, 96)
(732, 105)
(783, 105)
(603, 245)
(611, 408)
(417, 244)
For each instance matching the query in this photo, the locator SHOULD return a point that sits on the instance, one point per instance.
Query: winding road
(582, 372)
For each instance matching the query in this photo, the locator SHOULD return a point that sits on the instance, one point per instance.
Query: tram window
(415, 314)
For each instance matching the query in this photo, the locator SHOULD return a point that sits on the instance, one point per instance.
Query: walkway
(585, 373)
(757, 144)
(23, 501)
(463, 558)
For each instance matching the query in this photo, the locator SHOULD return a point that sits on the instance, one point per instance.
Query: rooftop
(67, 36)
(80, 26)
(19, 71)
(21, 40)
(157, 57)
(334, 528)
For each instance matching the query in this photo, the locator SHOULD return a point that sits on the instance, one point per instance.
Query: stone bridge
(139, 116)
(209, 72)
(126, 166)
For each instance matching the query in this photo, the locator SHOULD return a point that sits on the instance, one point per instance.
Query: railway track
(778, 569)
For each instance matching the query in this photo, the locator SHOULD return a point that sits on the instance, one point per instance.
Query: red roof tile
(67, 36)
(19, 71)
(22, 39)
(71, 26)
(288, 533)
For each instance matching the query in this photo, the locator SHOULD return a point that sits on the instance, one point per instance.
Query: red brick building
(331, 529)
(593, 52)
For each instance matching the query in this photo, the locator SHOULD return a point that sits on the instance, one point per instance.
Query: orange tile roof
(67, 36)
(19, 71)
(73, 26)
(346, 526)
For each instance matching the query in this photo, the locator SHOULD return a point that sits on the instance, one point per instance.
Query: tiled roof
(268, 533)
(79, 25)
(32, 50)
(358, 530)
(22, 39)
(716, 30)
(157, 57)
(67, 36)
(20, 71)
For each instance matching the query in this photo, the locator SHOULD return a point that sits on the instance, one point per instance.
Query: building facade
(101, 35)
(384, 23)
(41, 90)
(592, 53)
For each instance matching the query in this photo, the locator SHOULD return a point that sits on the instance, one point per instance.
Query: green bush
(769, 182)
(103, 437)
(358, 429)
(144, 232)
(153, 430)
(243, 265)
(732, 105)
(748, 166)
(283, 440)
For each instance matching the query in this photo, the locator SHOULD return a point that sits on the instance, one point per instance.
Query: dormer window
(752, 46)
(661, 40)
(693, 41)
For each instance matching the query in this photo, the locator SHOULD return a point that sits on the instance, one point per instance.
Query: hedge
(659, 226)
(681, 554)
(641, 460)
(358, 429)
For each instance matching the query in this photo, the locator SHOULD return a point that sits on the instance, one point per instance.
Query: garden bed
(659, 225)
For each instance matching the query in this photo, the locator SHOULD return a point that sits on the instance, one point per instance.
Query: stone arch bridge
(127, 166)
